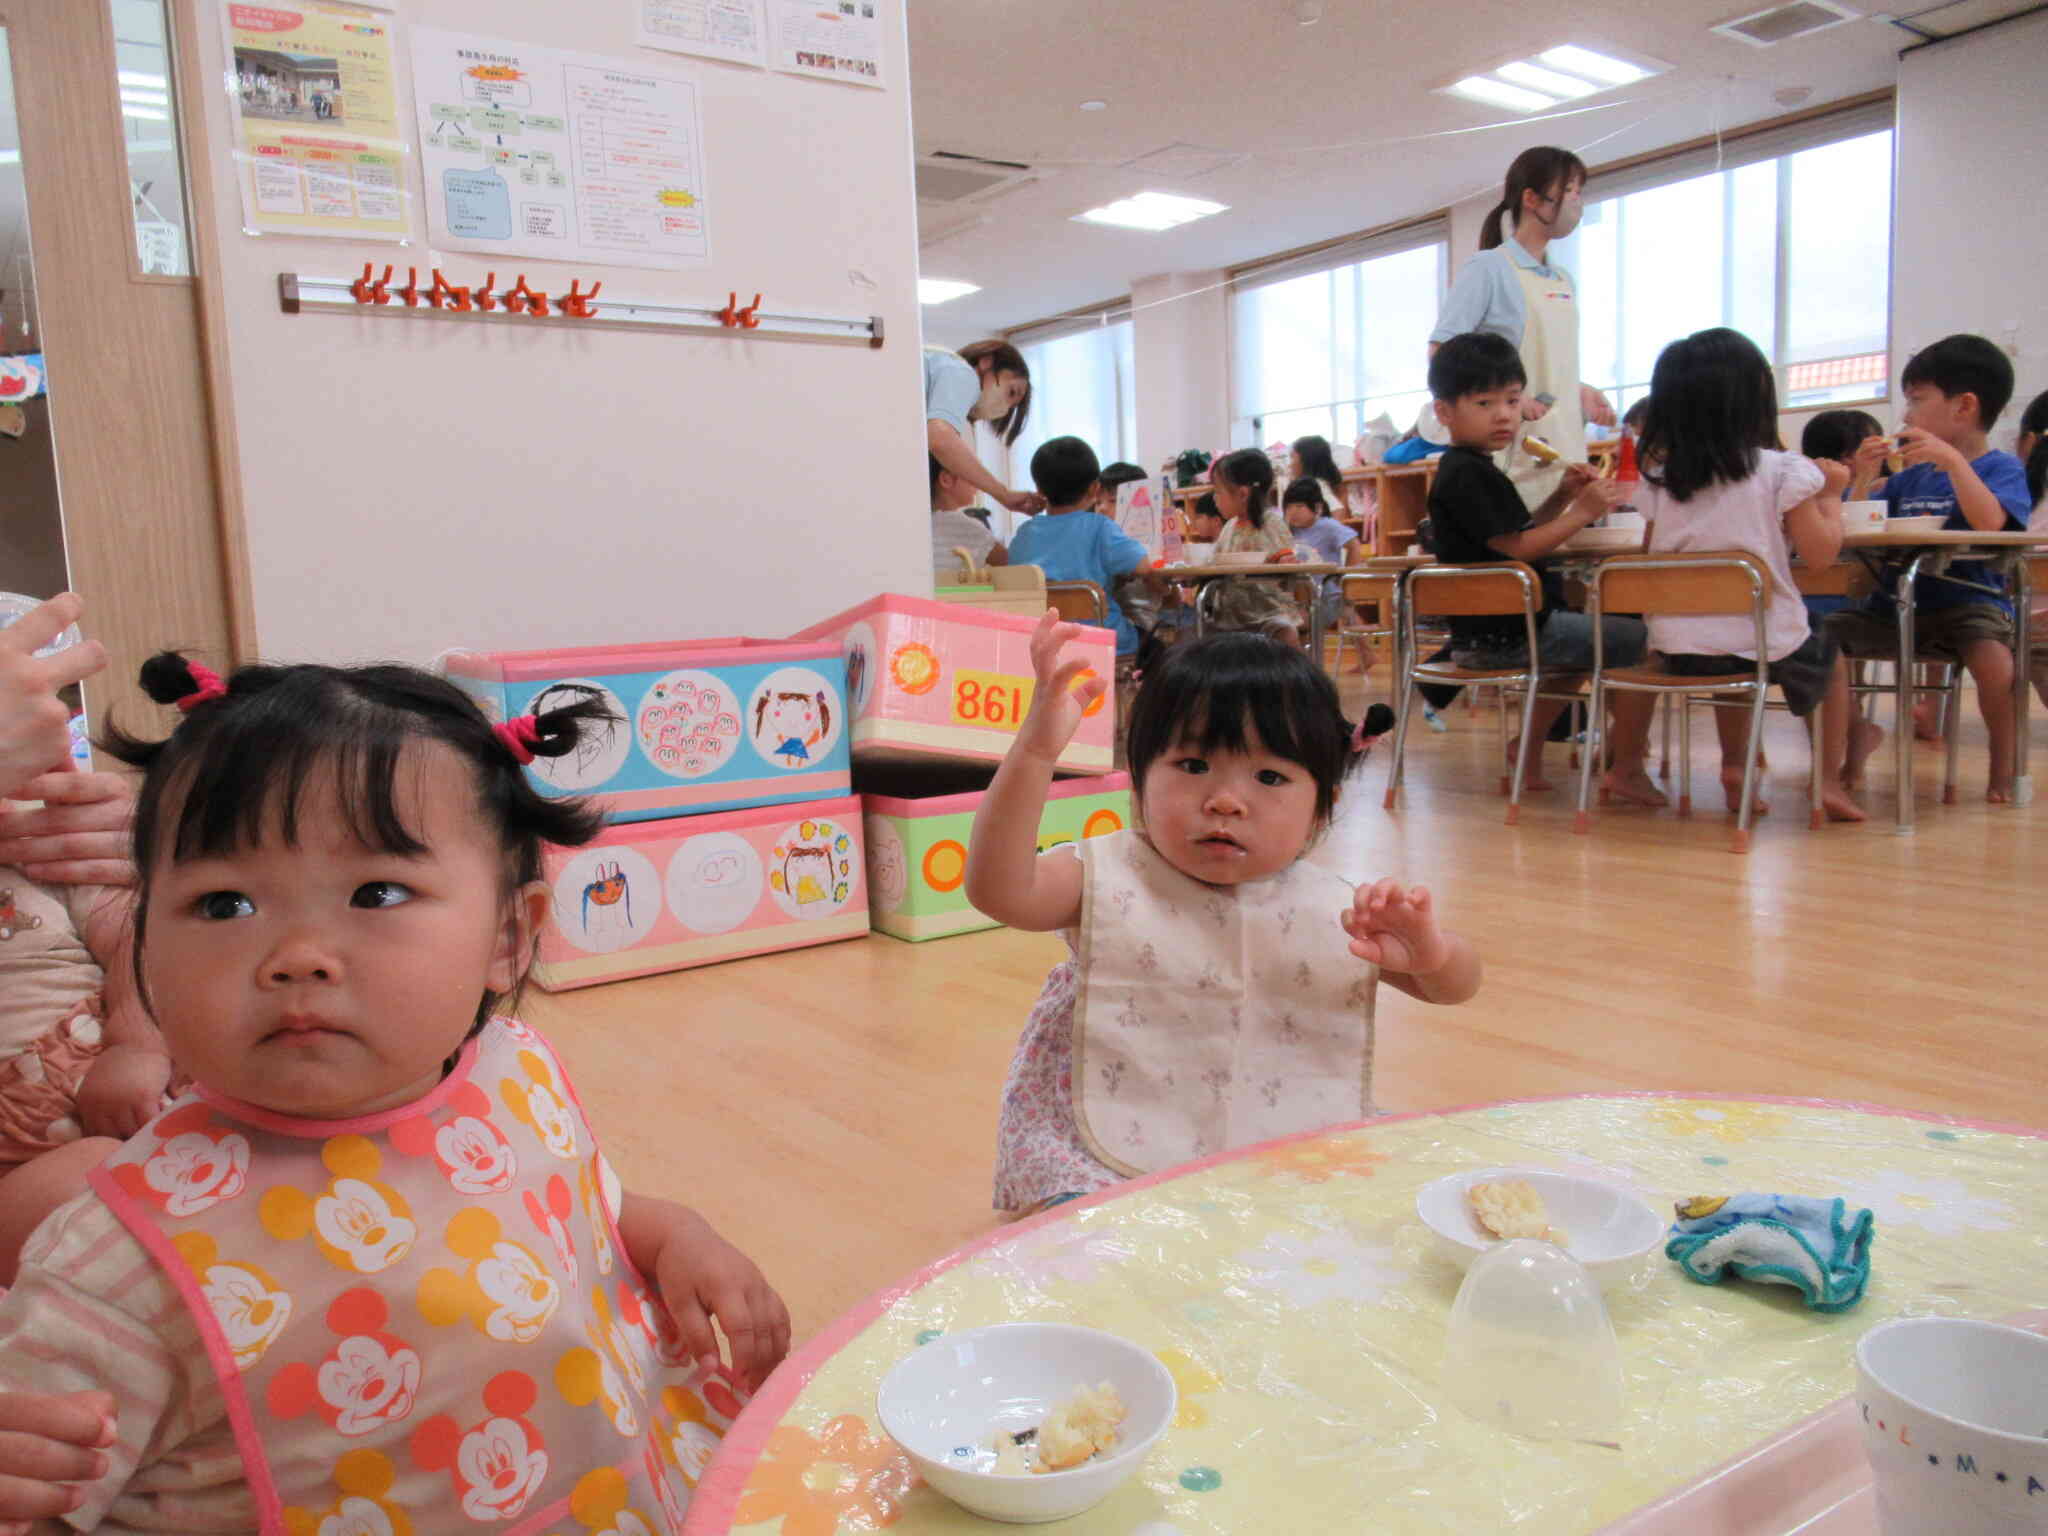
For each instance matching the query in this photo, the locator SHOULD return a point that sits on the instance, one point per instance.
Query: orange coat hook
(515, 301)
(411, 291)
(536, 302)
(360, 289)
(577, 303)
(440, 291)
(380, 291)
(486, 296)
(729, 316)
(750, 317)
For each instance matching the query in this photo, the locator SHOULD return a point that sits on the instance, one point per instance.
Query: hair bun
(557, 731)
(167, 677)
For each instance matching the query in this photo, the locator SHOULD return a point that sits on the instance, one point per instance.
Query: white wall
(413, 486)
(1180, 340)
(1971, 230)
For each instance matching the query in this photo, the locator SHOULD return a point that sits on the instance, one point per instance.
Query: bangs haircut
(238, 767)
(1218, 692)
(1964, 365)
(1475, 363)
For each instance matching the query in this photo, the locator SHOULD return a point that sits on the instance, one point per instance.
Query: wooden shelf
(1399, 491)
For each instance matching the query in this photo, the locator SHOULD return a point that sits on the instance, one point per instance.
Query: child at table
(373, 1273)
(1219, 986)
(1714, 479)
(1069, 542)
(1310, 458)
(954, 530)
(1139, 594)
(1477, 516)
(1955, 390)
(1243, 487)
(2031, 448)
(1332, 542)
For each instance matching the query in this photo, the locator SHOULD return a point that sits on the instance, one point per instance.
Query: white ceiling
(1328, 128)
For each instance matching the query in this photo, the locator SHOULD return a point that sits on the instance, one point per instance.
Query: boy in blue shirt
(1069, 542)
(1955, 390)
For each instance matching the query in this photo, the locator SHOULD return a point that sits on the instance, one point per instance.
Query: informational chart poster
(319, 146)
(830, 39)
(735, 31)
(534, 152)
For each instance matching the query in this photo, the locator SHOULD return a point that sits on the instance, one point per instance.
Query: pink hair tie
(520, 736)
(207, 685)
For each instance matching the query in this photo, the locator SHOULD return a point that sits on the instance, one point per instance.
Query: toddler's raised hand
(1834, 476)
(49, 1445)
(1395, 927)
(1060, 698)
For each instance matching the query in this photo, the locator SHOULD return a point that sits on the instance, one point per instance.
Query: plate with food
(1026, 1422)
(1608, 1229)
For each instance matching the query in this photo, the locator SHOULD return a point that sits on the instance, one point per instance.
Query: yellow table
(1299, 1304)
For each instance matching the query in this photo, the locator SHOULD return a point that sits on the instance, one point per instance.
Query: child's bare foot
(1864, 738)
(1633, 788)
(1998, 793)
(1927, 718)
(1731, 786)
(1839, 806)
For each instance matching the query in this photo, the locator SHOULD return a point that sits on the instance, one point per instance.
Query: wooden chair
(1079, 602)
(1696, 584)
(1499, 588)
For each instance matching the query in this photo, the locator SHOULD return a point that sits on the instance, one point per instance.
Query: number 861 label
(1000, 700)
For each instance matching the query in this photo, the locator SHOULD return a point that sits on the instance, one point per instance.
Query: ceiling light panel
(1151, 212)
(937, 290)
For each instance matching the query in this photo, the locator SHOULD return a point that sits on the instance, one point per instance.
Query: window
(1083, 384)
(1327, 351)
(1793, 249)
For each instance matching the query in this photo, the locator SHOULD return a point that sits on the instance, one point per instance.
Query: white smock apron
(1550, 356)
(1213, 1017)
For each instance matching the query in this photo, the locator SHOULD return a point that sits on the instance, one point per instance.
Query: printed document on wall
(830, 39)
(535, 152)
(735, 31)
(319, 149)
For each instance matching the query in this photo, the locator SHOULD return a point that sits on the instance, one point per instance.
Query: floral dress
(1254, 604)
(1039, 1151)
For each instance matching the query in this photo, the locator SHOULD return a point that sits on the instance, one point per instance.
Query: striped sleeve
(91, 1311)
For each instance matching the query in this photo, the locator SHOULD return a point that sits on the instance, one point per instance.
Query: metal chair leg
(1400, 739)
(1684, 755)
(1671, 701)
(1530, 685)
(1595, 710)
(1814, 816)
(1740, 844)
(1952, 716)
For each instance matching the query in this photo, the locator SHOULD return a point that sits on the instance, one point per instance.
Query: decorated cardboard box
(926, 679)
(918, 819)
(667, 895)
(704, 725)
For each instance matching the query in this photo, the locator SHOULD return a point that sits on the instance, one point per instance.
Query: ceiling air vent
(1782, 23)
(946, 177)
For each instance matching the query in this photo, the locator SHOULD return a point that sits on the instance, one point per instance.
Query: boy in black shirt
(1476, 515)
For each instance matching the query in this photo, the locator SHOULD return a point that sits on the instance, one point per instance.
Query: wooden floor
(833, 1110)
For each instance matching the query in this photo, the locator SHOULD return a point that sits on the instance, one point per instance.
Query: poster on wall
(830, 39)
(319, 145)
(535, 152)
(735, 31)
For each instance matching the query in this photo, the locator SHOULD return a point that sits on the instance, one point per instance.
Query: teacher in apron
(988, 381)
(1510, 289)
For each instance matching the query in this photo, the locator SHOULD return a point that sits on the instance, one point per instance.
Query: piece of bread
(1539, 450)
(1083, 1426)
(1511, 1208)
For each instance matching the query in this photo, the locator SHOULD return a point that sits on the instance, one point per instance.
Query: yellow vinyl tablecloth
(1301, 1308)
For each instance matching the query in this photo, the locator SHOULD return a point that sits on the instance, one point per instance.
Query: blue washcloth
(1797, 1240)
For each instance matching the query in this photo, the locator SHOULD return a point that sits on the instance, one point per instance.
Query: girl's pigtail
(1375, 723)
(557, 731)
(168, 678)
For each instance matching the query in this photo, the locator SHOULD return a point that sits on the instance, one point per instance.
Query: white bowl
(943, 1402)
(1197, 554)
(1932, 523)
(1607, 1228)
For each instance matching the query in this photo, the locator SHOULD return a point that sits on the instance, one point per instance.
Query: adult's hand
(1023, 501)
(78, 835)
(1533, 409)
(35, 727)
(1595, 406)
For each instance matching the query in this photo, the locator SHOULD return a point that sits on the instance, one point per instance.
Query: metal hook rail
(299, 293)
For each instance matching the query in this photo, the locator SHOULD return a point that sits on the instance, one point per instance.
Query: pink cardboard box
(704, 725)
(654, 896)
(927, 679)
